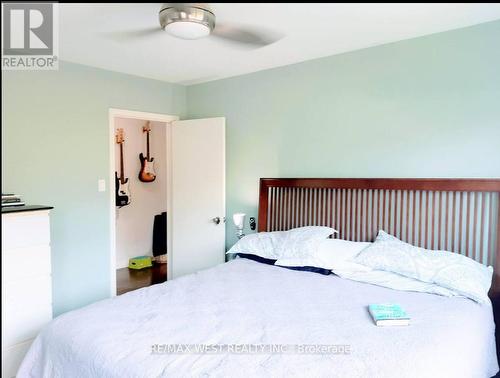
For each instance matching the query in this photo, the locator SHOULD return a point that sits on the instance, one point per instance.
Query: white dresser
(26, 282)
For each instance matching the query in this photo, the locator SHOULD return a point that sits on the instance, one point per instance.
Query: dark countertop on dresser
(20, 209)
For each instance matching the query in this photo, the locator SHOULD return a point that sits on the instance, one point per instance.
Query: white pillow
(263, 244)
(394, 281)
(339, 254)
(304, 242)
(331, 254)
(450, 270)
(297, 242)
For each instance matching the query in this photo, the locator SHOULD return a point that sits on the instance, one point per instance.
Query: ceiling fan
(197, 20)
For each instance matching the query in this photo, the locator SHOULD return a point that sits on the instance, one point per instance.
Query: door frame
(132, 114)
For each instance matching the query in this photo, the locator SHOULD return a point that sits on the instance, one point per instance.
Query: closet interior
(141, 203)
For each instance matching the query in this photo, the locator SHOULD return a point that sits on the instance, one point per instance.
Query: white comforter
(247, 302)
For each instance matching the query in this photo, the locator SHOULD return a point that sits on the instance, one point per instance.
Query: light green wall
(427, 107)
(55, 148)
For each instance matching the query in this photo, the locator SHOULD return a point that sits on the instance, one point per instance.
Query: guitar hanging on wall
(147, 173)
(122, 194)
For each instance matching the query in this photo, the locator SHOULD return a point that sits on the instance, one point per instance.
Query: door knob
(216, 220)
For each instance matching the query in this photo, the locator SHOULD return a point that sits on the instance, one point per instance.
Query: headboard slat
(459, 215)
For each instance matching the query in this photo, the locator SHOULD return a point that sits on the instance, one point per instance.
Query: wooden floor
(132, 279)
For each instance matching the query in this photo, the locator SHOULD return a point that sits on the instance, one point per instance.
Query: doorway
(194, 172)
(136, 231)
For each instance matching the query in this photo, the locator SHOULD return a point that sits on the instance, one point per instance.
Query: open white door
(197, 195)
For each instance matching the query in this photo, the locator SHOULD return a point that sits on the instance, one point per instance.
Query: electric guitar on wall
(147, 173)
(122, 194)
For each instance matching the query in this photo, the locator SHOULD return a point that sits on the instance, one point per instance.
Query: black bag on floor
(160, 234)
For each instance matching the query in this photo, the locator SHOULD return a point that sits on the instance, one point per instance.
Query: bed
(206, 324)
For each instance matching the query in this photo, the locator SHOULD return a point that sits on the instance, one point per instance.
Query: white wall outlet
(101, 185)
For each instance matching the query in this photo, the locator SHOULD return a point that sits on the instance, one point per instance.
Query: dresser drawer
(24, 325)
(23, 230)
(12, 358)
(27, 306)
(23, 263)
(27, 294)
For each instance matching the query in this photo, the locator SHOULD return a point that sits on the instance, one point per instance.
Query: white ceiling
(89, 35)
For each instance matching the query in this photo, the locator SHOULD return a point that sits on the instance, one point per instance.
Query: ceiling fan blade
(127, 35)
(251, 37)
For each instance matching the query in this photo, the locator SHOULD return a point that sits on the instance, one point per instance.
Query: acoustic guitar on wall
(147, 173)
(122, 193)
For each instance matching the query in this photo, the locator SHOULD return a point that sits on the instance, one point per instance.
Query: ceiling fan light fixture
(186, 20)
(187, 30)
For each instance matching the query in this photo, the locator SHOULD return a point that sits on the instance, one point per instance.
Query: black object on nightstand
(252, 223)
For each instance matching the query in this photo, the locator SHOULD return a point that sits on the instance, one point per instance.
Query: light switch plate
(101, 185)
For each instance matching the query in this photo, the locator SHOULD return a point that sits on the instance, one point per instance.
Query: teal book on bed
(388, 315)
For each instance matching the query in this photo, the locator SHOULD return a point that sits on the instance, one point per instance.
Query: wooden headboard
(457, 215)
